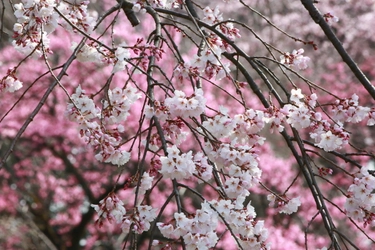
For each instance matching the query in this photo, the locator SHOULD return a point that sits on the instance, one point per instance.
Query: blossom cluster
(241, 165)
(119, 56)
(146, 183)
(241, 219)
(94, 53)
(182, 166)
(10, 82)
(348, 110)
(295, 59)
(285, 204)
(89, 52)
(302, 114)
(208, 64)
(360, 203)
(37, 19)
(242, 128)
(105, 135)
(183, 106)
(171, 113)
(214, 16)
(139, 5)
(200, 231)
(173, 128)
(140, 220)
(116, 108)
(112, 209)
(77, 14)
(238, 159)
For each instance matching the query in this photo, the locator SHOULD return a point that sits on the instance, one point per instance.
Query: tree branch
(318, 18)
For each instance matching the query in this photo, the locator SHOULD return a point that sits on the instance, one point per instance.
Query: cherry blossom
(295, 59)
(201, 121)
(122, 54)
(10, 84)
(83, 110)
(35, 20)
(177, 166)
(146, 183)
(186, 106)
(89, 53)
(110, 208)
(77, 14)
(361, 200)
(285, 205)
(140, 220)
(330, 18)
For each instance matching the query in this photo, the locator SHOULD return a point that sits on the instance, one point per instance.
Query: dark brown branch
(127, 7)
(306, 169)
(318, 18)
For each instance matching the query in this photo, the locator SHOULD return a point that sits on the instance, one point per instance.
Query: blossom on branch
(77, 14)
(295, 59)
(329, 142)
(10, 84)
(140, 220)
(35, 21)
(89, 53)
(83, 110)
(360, 202)
(182, 166)
(330, 18)
(122, 54)
(110, 208)
(286, 205)
(184, 106)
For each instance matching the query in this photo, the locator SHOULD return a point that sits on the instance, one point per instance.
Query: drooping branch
(260, 79)
(318, 18)
(41, 103)
(310, 179)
